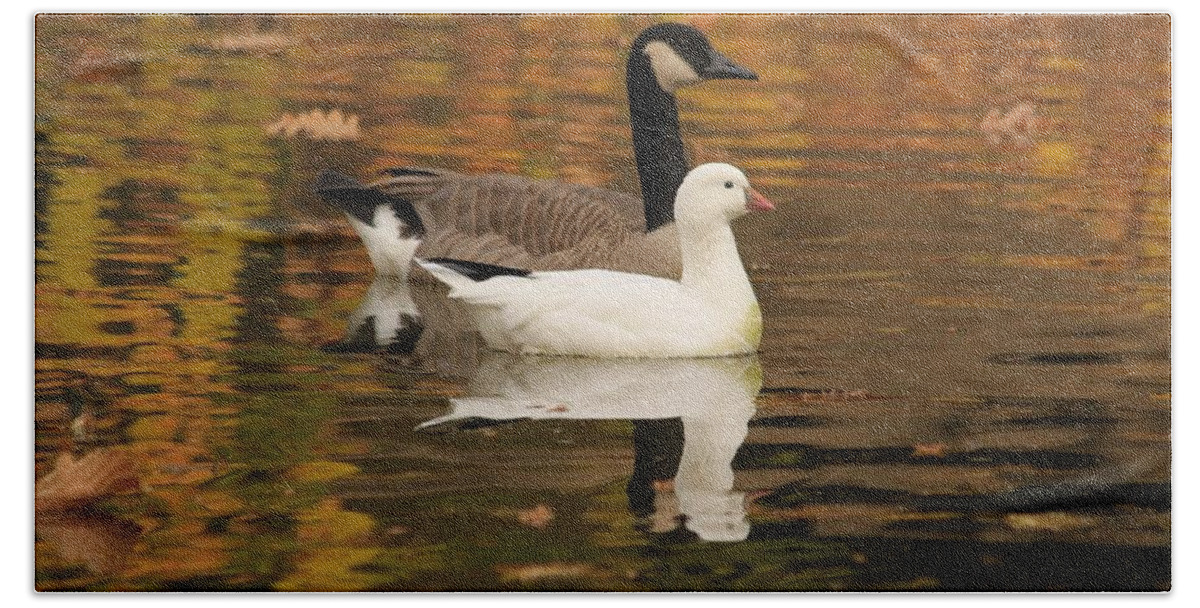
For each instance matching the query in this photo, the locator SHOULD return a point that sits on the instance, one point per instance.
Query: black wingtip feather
(478, 271)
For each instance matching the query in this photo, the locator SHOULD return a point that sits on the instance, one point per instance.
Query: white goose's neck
(712, 266)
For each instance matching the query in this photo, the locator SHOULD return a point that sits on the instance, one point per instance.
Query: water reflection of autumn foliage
(185, 275)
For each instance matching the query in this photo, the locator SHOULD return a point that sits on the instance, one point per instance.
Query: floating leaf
(334, 126)
(536, 517)
(74, 484)
(1055, 521)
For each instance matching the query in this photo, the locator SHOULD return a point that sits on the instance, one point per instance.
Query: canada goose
(710, 311)
(547, 224)
(710, 400)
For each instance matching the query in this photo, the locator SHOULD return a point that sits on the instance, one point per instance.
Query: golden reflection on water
(966, 290)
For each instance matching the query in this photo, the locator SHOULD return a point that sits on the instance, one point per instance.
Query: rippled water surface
(964, 380)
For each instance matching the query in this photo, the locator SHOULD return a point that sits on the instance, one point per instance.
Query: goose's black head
(679, 55)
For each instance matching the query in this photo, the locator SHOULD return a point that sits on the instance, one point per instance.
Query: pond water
(964, 380)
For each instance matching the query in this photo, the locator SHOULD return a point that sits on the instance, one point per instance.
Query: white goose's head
(717, 192)
(681, 56)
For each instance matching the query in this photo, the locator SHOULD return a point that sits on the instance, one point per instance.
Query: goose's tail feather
(361, 201)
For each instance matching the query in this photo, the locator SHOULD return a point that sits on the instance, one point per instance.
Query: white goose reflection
(703, 404)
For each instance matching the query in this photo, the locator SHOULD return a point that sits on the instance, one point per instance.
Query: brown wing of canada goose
(535, 224)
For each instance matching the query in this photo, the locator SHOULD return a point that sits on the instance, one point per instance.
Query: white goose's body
(711, 311)
(581, 313)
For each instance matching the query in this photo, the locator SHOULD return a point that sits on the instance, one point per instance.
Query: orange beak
(757, 202)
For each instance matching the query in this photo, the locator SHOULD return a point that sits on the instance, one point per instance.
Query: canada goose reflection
(690, 417)
(386, 319)
(400, 318)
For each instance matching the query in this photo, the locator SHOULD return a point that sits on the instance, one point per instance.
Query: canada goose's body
(546, 225)
(509, 220)
(710, 311)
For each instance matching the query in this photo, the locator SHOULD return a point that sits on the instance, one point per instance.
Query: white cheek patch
(671, 71)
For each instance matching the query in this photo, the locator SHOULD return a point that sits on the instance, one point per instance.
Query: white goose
(710, 311)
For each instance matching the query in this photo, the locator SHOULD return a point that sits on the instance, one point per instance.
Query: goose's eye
(728, 184)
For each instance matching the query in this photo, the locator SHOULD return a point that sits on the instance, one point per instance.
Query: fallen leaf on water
(536, 517)
(934, 450)
(103, 65)
(74, 484)
(102, 544)
(1055, 521)
(334, 126)
(527, 573)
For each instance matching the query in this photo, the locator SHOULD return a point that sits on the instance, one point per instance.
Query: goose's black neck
(661, 160)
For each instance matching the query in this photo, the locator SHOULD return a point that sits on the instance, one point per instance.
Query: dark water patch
(1062, 420)
(1041, 459)
(212, 583)
(376, 427)
(118, 328)
(470, 423)
(404, 341)
(1156, 385)
(176, 316)
(955, 526)
(387, 465)
(968, 565)
(260, 366)
(111, 272)
(138, 200)
(328, 278)
(1054, 411)
(260, 282)
(1089, 493)
(44, 181)
(194, 83)
(801, 493)
(48, 350)
(1158, 354)
(778, 530)
(803, 456)
(263, 386)
(1042, 403)
(1090, 332)
(1092, 493)
(775, 556)
(1060, 358)
(762, 456)
(790, 422)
